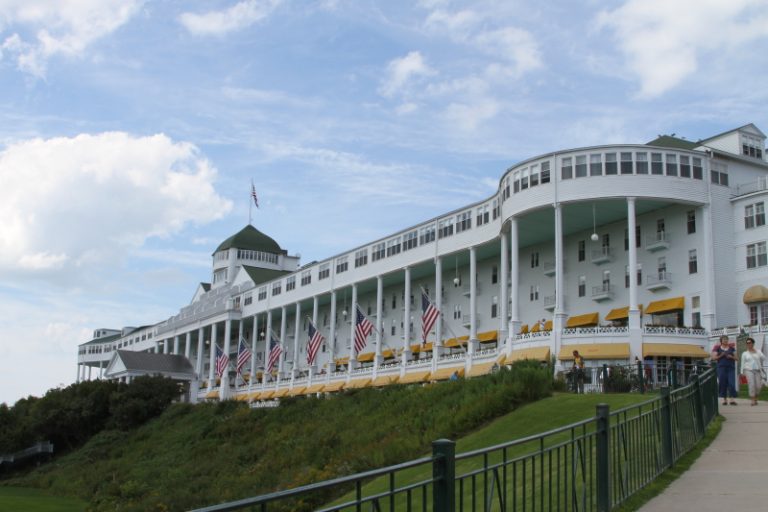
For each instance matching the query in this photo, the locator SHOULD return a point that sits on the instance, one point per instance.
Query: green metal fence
(592, 465)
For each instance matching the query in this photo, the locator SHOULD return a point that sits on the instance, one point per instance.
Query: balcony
(550, 302)
(657, 241)
(659, 281)
(602, 292)
(602, 255)
(467, 290)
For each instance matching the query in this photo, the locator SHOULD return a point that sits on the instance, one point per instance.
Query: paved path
(731, 475)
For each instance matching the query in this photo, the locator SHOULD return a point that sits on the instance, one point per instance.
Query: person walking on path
(725, 355)
(752, 368)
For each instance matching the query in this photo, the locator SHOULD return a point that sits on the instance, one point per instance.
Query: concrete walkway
(731, 474)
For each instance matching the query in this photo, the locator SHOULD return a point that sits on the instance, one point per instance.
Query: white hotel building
(625, 252)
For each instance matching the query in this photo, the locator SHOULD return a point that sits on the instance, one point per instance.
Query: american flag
(363, 328)
(274, 352)
(254, 196)
(315, 340)
(243, 355)
(222, 362)
(429, 315)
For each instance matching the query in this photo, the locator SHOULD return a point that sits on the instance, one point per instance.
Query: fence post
(605, 378)
(603, 446)
(697, 404)
(641, 376)
(666, 427)
(444, 475)
(673, 375)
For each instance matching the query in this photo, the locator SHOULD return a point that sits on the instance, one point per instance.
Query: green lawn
(21, 499)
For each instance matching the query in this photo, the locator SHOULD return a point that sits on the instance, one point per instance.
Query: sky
(131, 131)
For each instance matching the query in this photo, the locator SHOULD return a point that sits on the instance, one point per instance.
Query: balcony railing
(602, 255)
(657, 241)
(602, 292)
(659, 281)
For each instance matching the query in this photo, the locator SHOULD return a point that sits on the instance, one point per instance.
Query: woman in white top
(752, 368)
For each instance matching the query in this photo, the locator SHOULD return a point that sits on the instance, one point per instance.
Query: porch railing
(595, 464)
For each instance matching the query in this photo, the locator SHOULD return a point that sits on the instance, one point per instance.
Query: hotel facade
(623, 252)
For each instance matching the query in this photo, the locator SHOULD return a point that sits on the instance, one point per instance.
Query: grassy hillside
(198, 455)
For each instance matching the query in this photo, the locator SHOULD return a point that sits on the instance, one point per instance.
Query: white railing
(418, 363)
(453, 357)
(532, 335)
(596, 330)
(749, 188)
(669, 329)
(362, 371)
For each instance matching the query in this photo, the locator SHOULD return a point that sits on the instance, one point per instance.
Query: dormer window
(751, 146)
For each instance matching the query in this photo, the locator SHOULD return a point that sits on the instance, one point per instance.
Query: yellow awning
(255, 396)
(280, 392)
(388, 353)
(334, 386)
(502, 357)
(357, 383)
(488, 336)
(620, 313)
(481, 369)
(756, 293)
(595, 351)
(524, 329)
(314, 388)
(536, 327)
(666, 305)
(419, 347)
(456, 342)
(548, 325)
(445, 373)
(242, 397)
(341, 360)
(297, 390)
(410, 378)
(366, 357)
(212, 394)
(266, 394)
(585, 320)
(674, 350)
(536, 353)
(384, 380)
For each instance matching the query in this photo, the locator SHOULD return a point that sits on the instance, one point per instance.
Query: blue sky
(130, 130)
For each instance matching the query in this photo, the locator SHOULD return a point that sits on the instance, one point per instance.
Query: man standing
(725, 355)
(578, 372)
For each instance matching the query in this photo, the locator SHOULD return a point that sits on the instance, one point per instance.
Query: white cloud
(60, 27)
(239, 16)
(664, 41)
(72, 205)
(401, 71)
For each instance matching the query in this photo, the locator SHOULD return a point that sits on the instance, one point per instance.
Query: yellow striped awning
(620, 313)
(456, 342)
(366, 357)
(445, 373)
(756, 293)
(536, 327)
(421, 347)
(481, 369)
(548, 325)
(242, 397)
(410, 378)
(666, 305)
(298, 390)
(595, 351)
(487, 336)
(334, 386)
(314, 388)
(674, 350)
(536, 353)
(357, 383)
(341, 360)
(524, 329)
(388, 353)
(212, 394)
(384, 380)
(280, 392)
(585, 320)
(264, 395)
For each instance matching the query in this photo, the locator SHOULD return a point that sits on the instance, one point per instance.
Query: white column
(315, 308)
(79, 371)
(157, 346)
(437, 346)
(224, 392)
(212, 357)
(267, 343)
(514, 278)
(101, 370)
(283, 327)
(332, 338)
(254, 340)
(188, 345)
(708, 300)
(352, 315)
(296, 331)
(407, 316)
(89, 372)
(379, 320)
(560, 315)
(200, 349)
(472, 300)
(633, 320)
(503, 337)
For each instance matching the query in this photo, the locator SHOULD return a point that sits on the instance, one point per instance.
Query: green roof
(252, 239)
(103, 339)
(668, 141)
(262, 275)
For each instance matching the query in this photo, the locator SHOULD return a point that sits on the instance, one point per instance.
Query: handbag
(742, 378)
